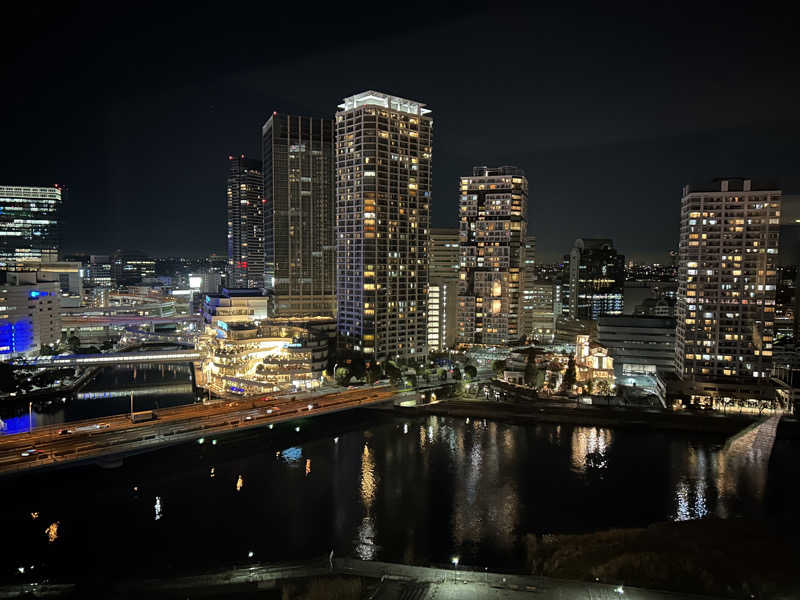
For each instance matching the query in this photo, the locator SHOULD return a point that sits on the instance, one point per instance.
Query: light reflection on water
(588, 440)
(365, 544)
(447, 488)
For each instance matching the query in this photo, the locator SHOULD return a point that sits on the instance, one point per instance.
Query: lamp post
(454, 560)
(30, 417)
(131, 406)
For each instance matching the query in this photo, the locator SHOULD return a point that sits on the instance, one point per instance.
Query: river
(108, 393)
(374, 486)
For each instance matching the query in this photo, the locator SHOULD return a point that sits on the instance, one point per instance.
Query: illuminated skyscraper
(727, 280)
(443, 289)
(493, 230)
(596, 279)
(299, 217)
(29, 226)
(245, 223)
(383, 194)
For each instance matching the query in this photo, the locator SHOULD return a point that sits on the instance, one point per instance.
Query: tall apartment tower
(245, 223)
(528, 295)
(443, 289)
(493, 230)
(596, 283)
(29, 226)
(727, 278)
(383, 194)
(299, 216)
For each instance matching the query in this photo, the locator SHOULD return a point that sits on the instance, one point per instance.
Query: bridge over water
(110, 358)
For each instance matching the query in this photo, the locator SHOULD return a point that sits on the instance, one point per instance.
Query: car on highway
(65, 432)
(32, 452)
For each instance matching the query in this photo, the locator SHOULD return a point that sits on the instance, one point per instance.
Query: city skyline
(602, 132)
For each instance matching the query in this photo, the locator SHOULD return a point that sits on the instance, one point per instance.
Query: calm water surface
(108, 393)
(375, 487)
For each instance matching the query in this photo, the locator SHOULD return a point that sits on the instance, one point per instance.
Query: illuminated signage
(37, 294)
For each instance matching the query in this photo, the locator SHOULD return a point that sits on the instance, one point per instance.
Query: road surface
(118, 436)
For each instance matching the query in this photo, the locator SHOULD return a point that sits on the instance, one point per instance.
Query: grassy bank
(733, 558)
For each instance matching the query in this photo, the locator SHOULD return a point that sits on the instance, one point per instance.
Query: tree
(531, 374)
(74, 343)
(343, 376)
(498, 366)
(569, 374)
(392, 371)
(470, 371)
(541, 375)
(589, 386)
(8, 382)
(373, 372)
(46, 350)
(356, 363)
(602, 388)
(456, 373)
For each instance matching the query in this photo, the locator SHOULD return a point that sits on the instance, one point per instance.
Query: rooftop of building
(594, 243)
(239, 293)
(31, 191)
(636, 321)
(484, 171)
(452, 231)
(243, 162)
(374, 98)
(731, 184)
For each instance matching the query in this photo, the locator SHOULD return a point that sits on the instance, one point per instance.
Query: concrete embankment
(532, 413)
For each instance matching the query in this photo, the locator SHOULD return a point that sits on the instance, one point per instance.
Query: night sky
(610, 108)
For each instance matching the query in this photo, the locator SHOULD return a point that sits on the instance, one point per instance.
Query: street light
(454, 560)
(30, 417)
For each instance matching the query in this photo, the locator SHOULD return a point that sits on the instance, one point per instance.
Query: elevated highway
(111, 439)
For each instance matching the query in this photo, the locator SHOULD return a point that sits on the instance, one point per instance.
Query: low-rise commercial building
(281, 354)
(235, 305)
(29, 313)
(638, 344)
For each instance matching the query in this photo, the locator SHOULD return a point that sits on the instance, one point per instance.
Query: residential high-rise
(383, 194)
(493, 229)
(443, 289)
(245, 223)
(596, 280)
(543, 306)
(529, 277)
(299, 215)
(727, 280)
(29, 224)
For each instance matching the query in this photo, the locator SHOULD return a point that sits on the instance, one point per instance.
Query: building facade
(529, 277)
(639, 344)
(384, 149)
(299, 214)
(31, 316)
(443, 289)
(29, 226)
(596, 280)
(493, 230)
(542, 308)
(245, 199)
(727, 281)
